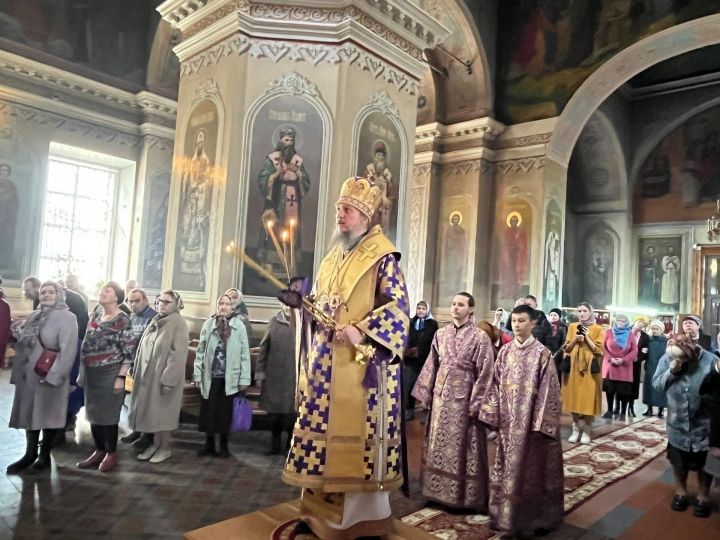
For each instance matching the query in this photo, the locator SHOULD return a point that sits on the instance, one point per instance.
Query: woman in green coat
(222, 369)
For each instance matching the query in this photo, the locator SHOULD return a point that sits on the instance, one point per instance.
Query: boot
(631, 409)
(661, 412)
(274, 444)
(109, 463)
(31, 453)
(649, 411)
(43, 461)
(209, 448)
(224, 452)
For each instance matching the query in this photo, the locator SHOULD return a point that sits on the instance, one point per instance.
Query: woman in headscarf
(40, 403)
(222, 369)
(657, 343)
(581, 387)
(106, 354)
(159, 374)
(422, 331)
(277, 378)
(240, 310)
(497, 336)
(620, 352)
(500, 321)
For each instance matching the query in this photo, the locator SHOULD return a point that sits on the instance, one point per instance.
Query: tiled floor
(140, 500)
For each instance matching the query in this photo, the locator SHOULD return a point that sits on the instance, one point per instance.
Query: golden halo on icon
(458, 214)
(511, 215)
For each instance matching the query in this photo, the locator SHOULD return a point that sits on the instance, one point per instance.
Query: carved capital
(293, 84)
(208, 88)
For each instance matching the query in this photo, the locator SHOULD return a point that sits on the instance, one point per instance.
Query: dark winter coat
(542, 331)
(276, 367)
(420, 340)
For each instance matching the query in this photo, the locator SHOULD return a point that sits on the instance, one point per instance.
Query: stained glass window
(77, 230)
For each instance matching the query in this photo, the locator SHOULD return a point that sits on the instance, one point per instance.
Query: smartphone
(582, 329)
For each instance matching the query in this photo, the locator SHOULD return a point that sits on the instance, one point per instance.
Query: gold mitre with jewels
(361, 193)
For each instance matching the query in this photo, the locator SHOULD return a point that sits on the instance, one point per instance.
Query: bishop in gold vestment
(346, 444)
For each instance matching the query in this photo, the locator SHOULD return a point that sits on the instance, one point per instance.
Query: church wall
(24, 145)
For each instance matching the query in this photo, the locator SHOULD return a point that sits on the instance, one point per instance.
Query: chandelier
(713, 225)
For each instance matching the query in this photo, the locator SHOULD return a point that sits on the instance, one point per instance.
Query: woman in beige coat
(41, 403)
(159, 374)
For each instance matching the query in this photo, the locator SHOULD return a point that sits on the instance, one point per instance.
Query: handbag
(242, 415)
(595, 365)
(46, 360)
(565, 364)
(129, 382)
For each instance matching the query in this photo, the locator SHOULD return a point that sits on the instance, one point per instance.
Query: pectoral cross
(367, 251)
(291, 200)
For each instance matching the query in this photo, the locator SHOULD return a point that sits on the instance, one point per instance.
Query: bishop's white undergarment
(361, 506)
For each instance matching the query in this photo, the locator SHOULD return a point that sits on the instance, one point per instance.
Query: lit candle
(285, 235)
(292, 245)
(269, 225)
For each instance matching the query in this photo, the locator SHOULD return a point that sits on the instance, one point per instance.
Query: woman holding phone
(581, 389)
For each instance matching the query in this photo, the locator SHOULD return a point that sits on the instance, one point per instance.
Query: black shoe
(31, 453)
(679, 503)
(144, 442)
(42, 463)
(660, 414)
(60, 438)
(608, 415)
(207, 451)
(21, 464)
(631, 412)
(649, 412)
(702, 509)
(223, 452)
(131, 438)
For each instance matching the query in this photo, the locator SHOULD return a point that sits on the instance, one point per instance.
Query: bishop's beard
(344, 239)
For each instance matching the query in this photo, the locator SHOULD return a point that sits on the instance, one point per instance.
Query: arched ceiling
(454, 92)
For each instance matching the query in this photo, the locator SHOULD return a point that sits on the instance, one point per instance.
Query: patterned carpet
(588, 470)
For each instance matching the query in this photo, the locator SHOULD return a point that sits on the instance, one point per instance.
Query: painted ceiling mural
(680, 180)
(108, 37)
(547, 48)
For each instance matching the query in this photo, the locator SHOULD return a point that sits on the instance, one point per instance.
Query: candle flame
(285, 235)
(269, 223)
(292, 222)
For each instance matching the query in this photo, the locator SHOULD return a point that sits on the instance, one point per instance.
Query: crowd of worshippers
(125, 345)
(510, 380)
(507, 380)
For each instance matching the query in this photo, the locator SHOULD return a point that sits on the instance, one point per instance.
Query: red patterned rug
(588, 470)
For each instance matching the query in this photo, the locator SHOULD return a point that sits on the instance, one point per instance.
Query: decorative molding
(416, 237)
(521, 165)
(387, 19)
(528, 140)
(158, 143)
(56, 121)
(301, 52)
(421, 173)
(207, 89)
(464, 167)
(384, 103)
(293, 84)
(471, 134)
(314, 16)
